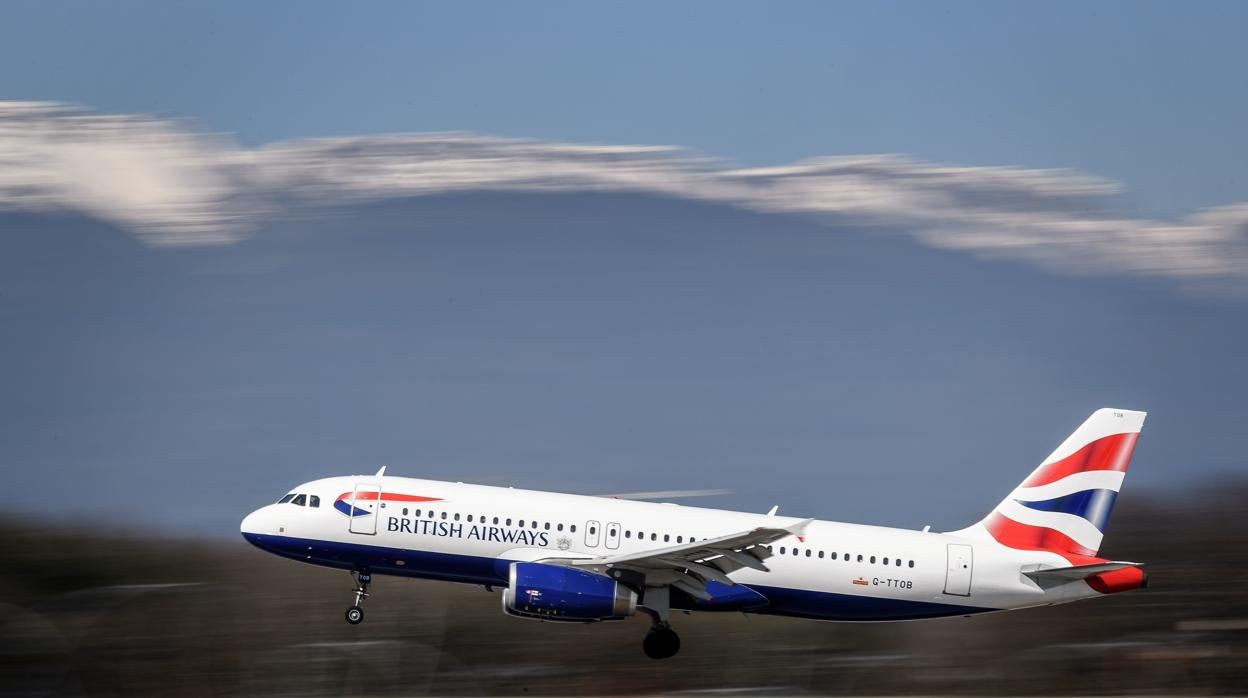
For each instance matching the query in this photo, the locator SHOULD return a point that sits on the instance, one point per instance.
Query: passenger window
(508, 522)
(314, 501)
(546, 526)
(534, 525)
(654, 536)
(416, 513)
(912, 563)
(873, 559)
(558, 527)
(898, 562)
(859, 558)
(300, 500)
(285, 499)
(457, 517)
(833, 555)
(782, 550)
(628, 534)
(520, 523)
(886, 561)
(593, 530)
(405, 511)
(667, 537)
(572, 528)
(795, 551)
(495, 520)
(470, 518)
(680, 539)
(611, 532)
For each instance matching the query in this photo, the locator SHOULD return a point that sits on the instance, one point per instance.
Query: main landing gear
(661, 642)
(355, 614)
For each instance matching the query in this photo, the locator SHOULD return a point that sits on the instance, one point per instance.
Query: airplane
(582, 559)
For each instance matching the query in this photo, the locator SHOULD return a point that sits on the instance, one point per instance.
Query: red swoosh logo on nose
(388, 497)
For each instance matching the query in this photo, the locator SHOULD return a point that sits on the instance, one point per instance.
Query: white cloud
(153, 176)
(170, 184)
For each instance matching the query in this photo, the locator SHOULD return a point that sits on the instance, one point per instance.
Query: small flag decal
(860, 581)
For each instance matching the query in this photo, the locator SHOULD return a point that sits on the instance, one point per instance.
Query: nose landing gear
(355, 614)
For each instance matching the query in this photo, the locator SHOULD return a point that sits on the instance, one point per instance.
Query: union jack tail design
(1063, 506)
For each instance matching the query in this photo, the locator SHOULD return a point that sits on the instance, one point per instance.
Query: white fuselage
(472, 533)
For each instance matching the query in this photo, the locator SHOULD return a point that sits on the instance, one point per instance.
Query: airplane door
(958, 574)
(364, 511)
(592, 533)
(613, 535)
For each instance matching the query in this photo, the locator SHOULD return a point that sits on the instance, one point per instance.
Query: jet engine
(560, 593)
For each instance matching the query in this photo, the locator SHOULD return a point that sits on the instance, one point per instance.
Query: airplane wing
(1077, 572)
(690, 566)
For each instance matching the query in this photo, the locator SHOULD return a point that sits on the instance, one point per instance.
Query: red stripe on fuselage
(1107, 453)
(390, 497)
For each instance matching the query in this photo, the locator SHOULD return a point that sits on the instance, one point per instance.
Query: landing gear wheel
(355, 614)
(661, 642)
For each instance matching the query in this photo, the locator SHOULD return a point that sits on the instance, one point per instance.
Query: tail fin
(1063, 506)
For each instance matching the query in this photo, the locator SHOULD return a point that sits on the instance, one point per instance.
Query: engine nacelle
(559, 593)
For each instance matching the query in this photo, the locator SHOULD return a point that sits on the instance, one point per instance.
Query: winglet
(381, 472)
(774, 510)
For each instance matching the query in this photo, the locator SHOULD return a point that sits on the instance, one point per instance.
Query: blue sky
(1146, 93)
(592, 343)
(224, 272)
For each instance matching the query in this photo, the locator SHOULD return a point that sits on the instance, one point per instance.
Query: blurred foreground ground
(94, 611)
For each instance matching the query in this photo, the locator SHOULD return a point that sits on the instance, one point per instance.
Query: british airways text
(426, 527)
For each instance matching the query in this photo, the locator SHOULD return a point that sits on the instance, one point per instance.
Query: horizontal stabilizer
(1072, 574)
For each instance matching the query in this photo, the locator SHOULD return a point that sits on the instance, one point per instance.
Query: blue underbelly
(471, 569)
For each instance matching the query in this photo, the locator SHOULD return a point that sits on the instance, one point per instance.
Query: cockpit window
(314, 501)
(287, 498)
(300, 500)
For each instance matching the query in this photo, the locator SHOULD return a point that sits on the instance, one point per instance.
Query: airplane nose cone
(254, 523)
(249, 523)
(259, 527)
